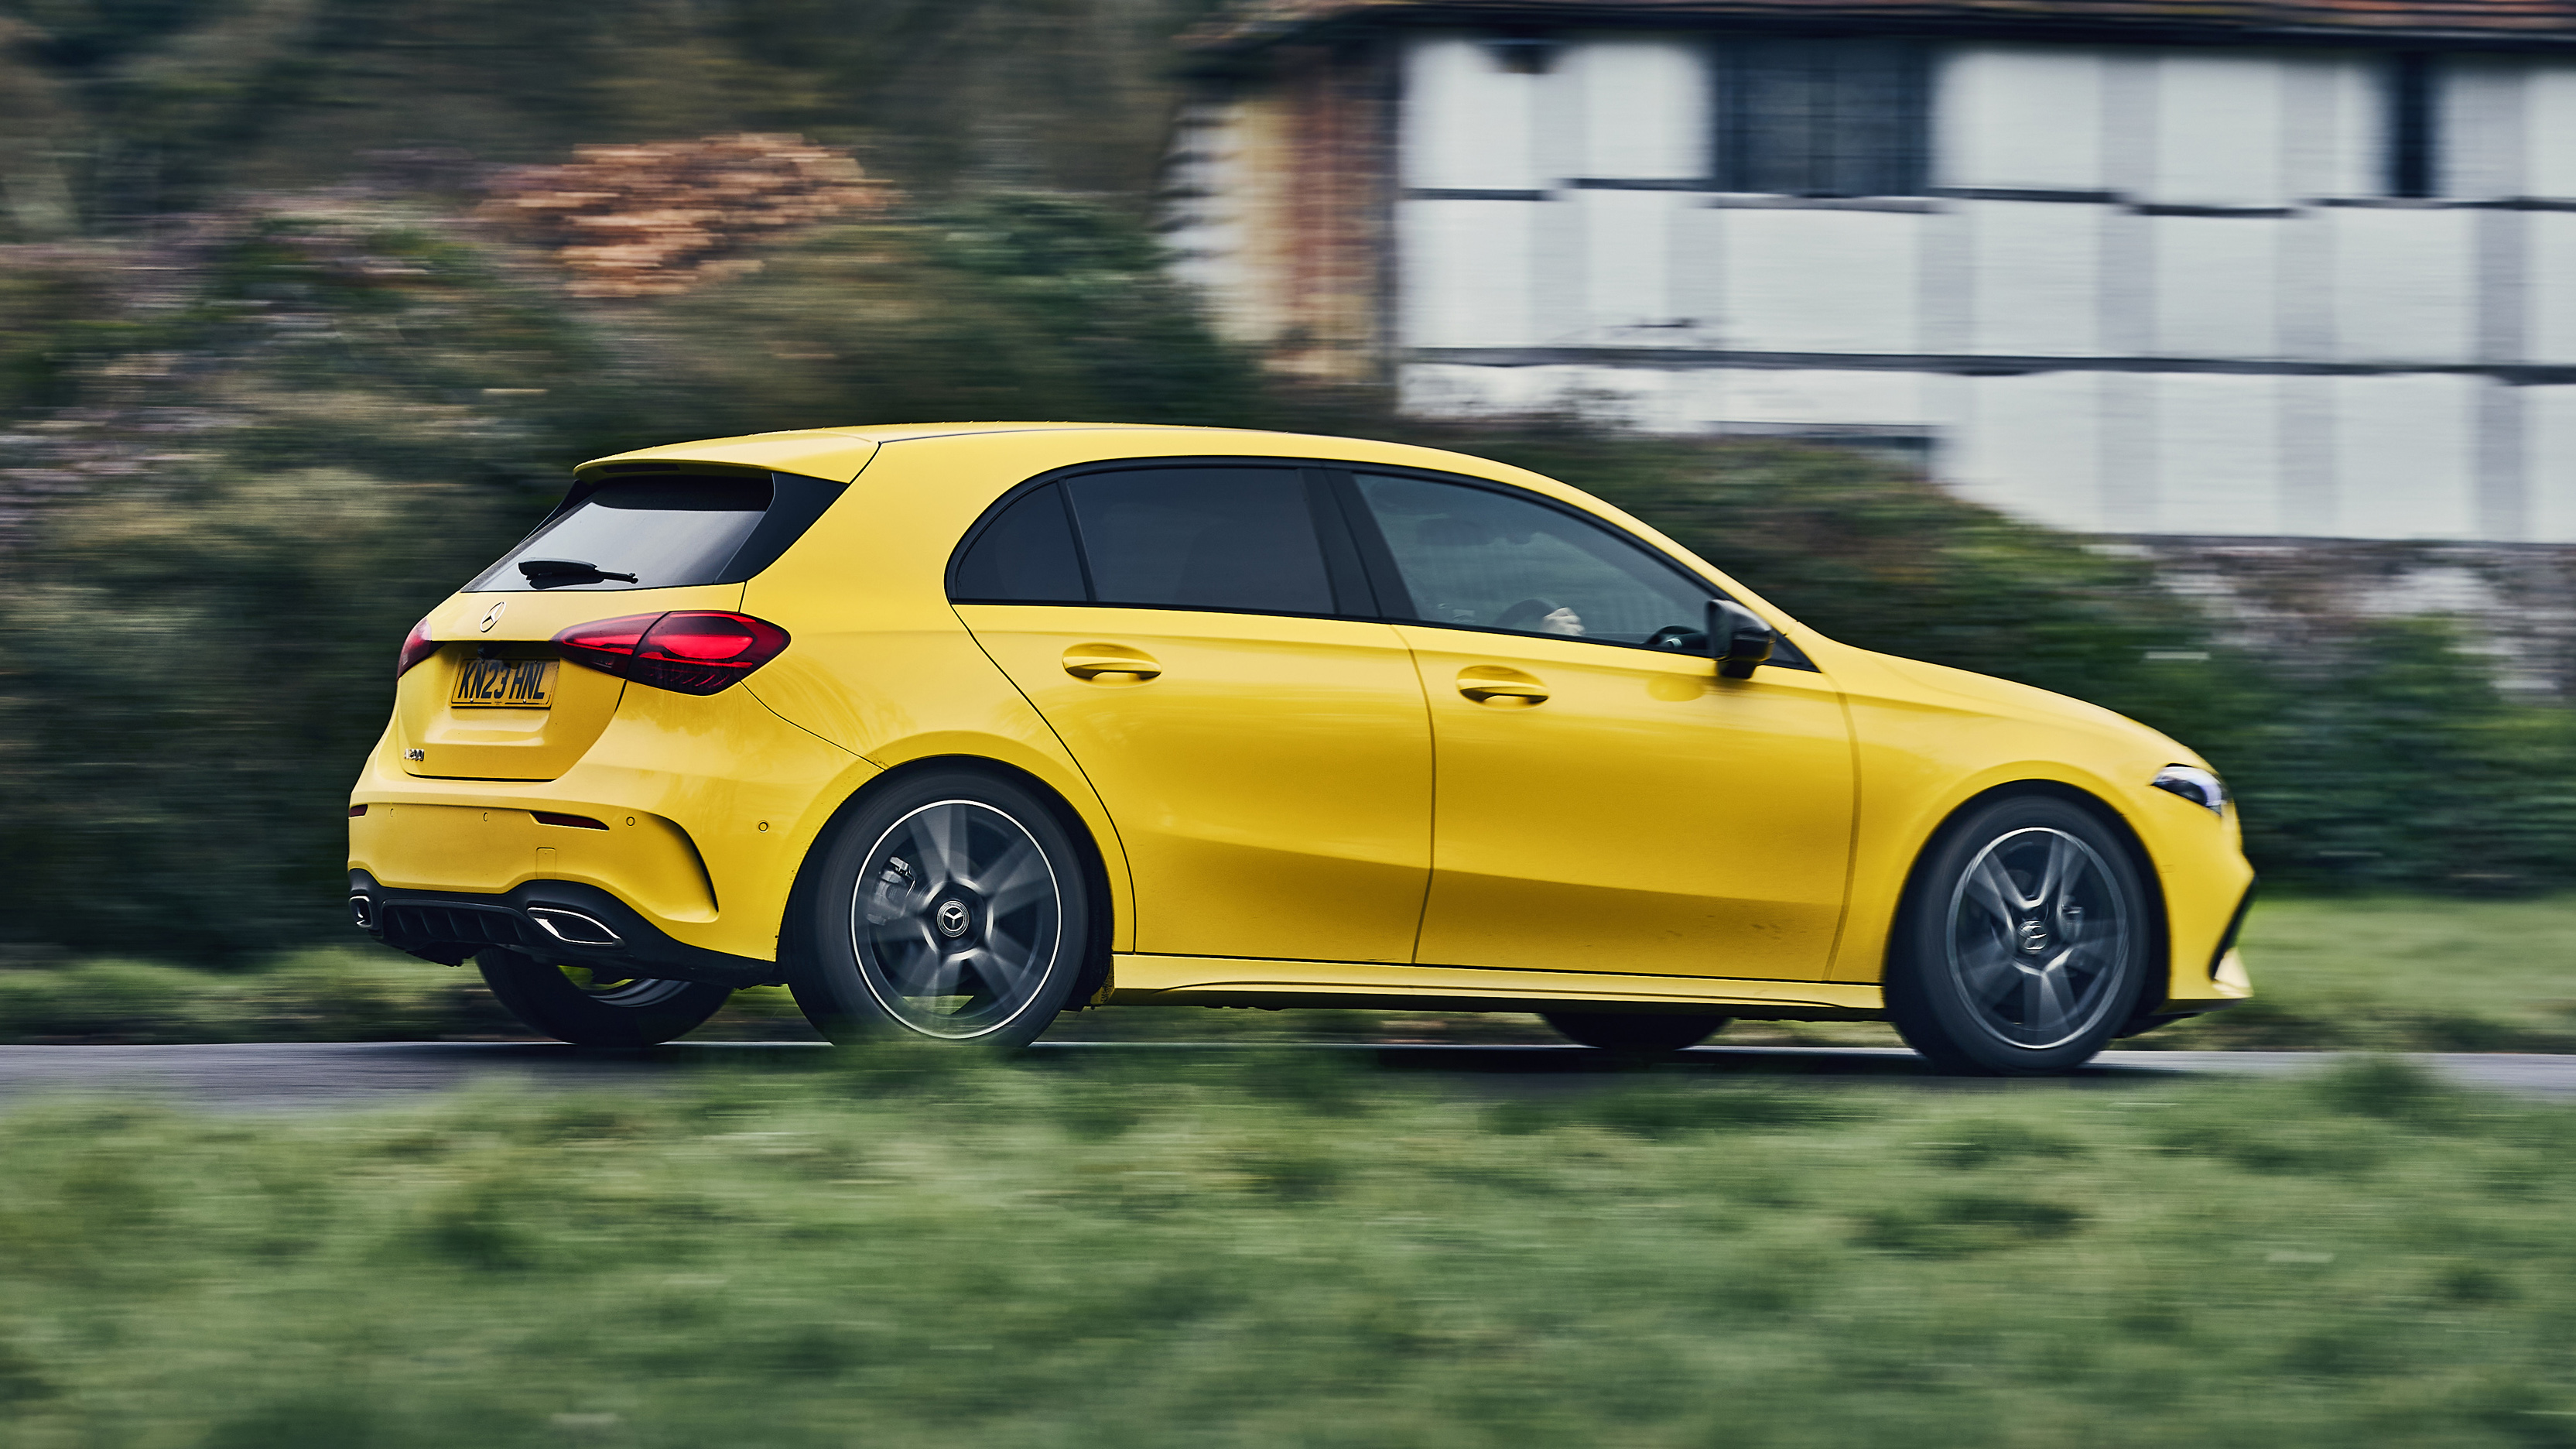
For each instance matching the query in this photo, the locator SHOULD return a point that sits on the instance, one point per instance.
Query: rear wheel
(950, 905)
(1635, 1033)
(596, 1007)
(2023, 944)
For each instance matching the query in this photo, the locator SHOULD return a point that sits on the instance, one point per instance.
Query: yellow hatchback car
(952, 728)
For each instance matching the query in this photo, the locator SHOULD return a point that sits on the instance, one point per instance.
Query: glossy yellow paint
(647, 860)
(1640, 814)
(1271, 776)
(1282, 806)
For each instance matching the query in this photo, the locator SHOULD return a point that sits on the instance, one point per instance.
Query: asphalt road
(310, 1076)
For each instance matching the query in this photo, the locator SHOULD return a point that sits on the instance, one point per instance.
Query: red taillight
(416, 647)
(693, 651)
(357, 810)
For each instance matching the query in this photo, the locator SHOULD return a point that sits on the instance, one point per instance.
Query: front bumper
(563, 922)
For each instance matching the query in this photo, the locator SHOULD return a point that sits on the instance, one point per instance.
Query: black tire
(1635, 1033)
(2024, 941)
(608, 1012)
(949, 904)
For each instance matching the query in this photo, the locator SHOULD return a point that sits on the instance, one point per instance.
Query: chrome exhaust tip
(573, 928)
(362, 913)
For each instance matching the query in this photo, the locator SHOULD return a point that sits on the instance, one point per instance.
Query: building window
(2414, 125)
(1805, 116)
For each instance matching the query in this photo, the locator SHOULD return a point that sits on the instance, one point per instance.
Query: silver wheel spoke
(942, 831)
(1989, 971)
(1988, 886)
(1024, 882)
(2056, 1008)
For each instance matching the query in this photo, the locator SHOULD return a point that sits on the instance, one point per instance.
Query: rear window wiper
(544, 571)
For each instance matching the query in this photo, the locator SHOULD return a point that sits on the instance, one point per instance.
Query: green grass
(2402, 973)
(2392, 973)
(1167, 1249)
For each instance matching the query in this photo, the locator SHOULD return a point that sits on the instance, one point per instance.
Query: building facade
(2221, 270)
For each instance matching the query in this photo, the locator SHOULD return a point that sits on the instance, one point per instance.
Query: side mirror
(1739, 639)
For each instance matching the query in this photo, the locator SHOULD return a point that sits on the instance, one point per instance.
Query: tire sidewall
(1923, 997)
(823, 970)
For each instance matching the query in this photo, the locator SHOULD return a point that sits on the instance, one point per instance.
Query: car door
(1266, 761)
(1604, 805)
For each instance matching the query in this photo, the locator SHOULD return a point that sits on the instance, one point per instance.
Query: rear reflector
(416, 646)
(357, 810)
(577, 822)
(692, 651)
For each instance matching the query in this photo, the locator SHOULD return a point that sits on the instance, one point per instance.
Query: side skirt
(1225, 981)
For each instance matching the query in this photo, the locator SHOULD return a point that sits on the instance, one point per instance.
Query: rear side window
(1203, 538)
(663, 530)
(1024, 556)
(1232, 539)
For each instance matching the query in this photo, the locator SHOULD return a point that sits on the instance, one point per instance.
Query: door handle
(1106, 667)
(1492, 684)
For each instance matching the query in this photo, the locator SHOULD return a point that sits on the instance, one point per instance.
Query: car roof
(839, 453)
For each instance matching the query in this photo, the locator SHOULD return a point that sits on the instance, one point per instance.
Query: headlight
(2195, 785)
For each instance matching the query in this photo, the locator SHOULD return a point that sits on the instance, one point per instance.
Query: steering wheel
(1675, 637)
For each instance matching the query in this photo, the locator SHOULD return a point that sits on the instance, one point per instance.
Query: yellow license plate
(504, 684)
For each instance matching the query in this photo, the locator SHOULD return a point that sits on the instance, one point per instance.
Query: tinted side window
(1025, 556)
(1202, 538)
(1475, 557)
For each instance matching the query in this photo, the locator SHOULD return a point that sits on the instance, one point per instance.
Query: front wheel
(595, 1007)
(949, 905)
(2023, 944)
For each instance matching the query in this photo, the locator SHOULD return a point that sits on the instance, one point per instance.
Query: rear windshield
(663, 531)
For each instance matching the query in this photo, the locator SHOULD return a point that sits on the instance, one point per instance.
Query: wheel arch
(1097, 951)
(2159, 928)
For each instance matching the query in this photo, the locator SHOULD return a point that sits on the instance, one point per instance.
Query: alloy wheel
(957, 919)
(2039, 938)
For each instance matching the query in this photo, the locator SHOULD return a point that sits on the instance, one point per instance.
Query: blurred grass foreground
(1136, 1250)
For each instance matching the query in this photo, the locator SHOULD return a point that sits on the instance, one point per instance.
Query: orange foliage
(652, 219)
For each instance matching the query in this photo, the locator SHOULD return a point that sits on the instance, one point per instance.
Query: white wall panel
(2330, 102)
(2549, 415)
(2217, 285)
(2549, 102)
(2218, 453)
(2031, 446)
(2034, 277)
(1468, 123)
(2404, 285)
(1627, 282)
(1821, 281)
(2550, 283)
(1466, 272)
(2218, 129)
(2404, 462)
(2481, 127)
(1645, 107)
(2019, 116)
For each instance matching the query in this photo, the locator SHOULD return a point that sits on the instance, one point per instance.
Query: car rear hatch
(488, 694)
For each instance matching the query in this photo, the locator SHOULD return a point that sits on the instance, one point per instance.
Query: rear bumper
(565, 922)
